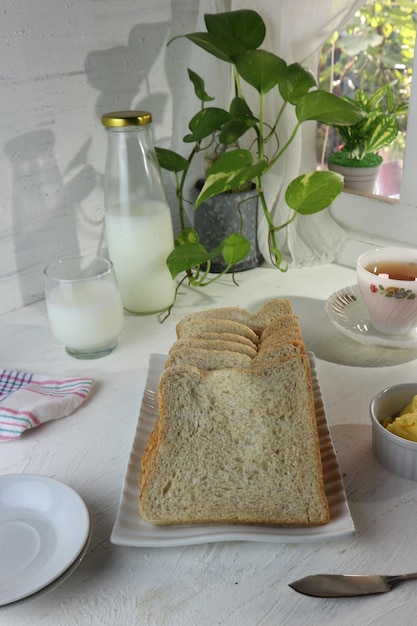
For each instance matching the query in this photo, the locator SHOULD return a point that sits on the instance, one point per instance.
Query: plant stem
(274, 127)
(273, 247)
(238, 88)
(277, 156)
(261, 127)
(179, 183)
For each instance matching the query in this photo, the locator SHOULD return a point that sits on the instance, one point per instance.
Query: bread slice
(235, 446)
(213, 344)
(292, 333)
(269, 351)
(189, 326)
(256, 321)
(280, 323)
(204, 334)
(207, 359)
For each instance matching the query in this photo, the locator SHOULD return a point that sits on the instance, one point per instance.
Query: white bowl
(396, 454)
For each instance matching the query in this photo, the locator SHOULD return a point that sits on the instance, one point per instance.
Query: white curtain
(296, 30)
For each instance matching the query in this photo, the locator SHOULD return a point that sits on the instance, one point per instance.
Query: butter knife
(339, 586)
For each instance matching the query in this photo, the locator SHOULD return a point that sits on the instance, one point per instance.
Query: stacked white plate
(45, 530)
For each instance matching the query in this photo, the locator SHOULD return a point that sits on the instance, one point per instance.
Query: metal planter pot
(227, 213)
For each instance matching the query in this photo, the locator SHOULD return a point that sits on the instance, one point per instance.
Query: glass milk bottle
(137, 217)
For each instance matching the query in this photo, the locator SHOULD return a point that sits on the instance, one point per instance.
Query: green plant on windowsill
(235, 37)
(377, 129)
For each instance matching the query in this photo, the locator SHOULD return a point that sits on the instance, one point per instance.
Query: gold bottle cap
(126, 118)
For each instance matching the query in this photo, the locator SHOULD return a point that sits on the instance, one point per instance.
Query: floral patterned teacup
(387, 279)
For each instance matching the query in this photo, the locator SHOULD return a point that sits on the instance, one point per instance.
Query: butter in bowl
(393, 429)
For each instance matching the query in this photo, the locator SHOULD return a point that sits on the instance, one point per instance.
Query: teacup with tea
(387, 280)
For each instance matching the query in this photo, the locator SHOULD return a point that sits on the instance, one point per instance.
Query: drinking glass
(84, 305)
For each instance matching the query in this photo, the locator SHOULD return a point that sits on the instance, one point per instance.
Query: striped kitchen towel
(28, 400)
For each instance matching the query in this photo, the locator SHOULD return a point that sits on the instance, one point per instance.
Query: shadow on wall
(121, 75)
(44, 207)
(49, 206)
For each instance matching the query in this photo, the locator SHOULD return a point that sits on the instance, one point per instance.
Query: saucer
(58, 581)
(44, 529)
(349, 314)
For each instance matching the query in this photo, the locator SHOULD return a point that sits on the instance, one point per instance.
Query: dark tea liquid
(397, 270)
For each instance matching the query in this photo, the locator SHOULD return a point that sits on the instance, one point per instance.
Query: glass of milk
(84, 305)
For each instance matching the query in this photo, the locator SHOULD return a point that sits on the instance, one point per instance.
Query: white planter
(361, 179)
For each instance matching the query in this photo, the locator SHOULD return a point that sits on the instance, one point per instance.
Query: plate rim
(32, 586)
(372, 337)
(58, 581)
(125, 530)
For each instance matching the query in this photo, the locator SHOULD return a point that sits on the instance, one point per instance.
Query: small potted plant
(358, 159)
(235, 37)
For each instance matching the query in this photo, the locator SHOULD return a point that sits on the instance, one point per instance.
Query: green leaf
(233, 130)
(171, 161)
(234, 248)
(230, 171)
(327, 108)
(241, 120)
(245, 26)
(187, 256)
(295, 82)
(402, 109)
(219, 47)
(240, 110)
(231, 161)
(229, 34)
(199, 87)
(382, 133)
(261, 69)
(187, 235)
(313, 192)
(205, 123)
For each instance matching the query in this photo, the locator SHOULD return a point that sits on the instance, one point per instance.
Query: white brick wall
(63, 64)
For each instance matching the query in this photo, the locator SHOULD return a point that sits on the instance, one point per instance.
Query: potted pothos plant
(235, 37)
(358, 158)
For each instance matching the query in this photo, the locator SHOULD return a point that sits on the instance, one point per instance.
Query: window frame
(377, 220)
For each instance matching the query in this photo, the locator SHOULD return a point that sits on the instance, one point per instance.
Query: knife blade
(345, 585)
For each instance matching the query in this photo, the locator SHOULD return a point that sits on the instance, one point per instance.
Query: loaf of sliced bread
(235, 446)
(236, 438)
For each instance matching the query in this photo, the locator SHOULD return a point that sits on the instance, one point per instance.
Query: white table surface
(243, 583)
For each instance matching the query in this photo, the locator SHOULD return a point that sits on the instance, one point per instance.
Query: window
(383, 50)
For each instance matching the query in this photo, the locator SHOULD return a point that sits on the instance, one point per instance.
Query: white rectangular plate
(130, 530)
